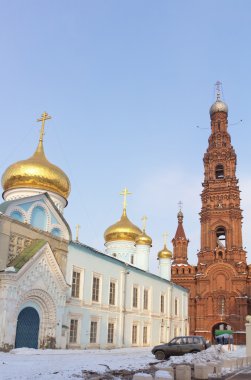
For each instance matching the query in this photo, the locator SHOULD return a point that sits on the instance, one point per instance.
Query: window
(219, 172)
(221, 237)
(39, 218)
(93, 332)
(73, 330)
(221, 305)
(17, 215)
(110, 335)
(75, 284)
(95, 289)
(134, 334)
(145, 335)
(162, 303)
(135, 297)
(112, 293)
(176, 306)
(145, 303)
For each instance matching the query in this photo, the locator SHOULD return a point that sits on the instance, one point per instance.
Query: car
(180, 345)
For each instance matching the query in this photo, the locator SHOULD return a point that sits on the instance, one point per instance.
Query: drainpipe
(126, 272)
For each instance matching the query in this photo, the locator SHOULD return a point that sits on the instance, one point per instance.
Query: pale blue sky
(126, 83)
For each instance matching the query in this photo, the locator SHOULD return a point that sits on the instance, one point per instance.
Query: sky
(27, 364)
(129, 85)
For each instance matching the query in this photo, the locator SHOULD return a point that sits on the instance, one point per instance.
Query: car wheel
(194, 352)
(160, 355)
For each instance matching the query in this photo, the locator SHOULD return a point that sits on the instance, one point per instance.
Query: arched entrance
(27, 328)
(221, 332)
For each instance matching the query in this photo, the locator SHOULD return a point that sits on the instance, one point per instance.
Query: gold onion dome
(165, 253)
(37, 172)
(124, 229)
(143, 239)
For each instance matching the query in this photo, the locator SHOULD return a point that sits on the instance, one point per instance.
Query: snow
(31, 364)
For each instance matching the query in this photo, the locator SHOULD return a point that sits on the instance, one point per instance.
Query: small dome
(218, 106)
(165, 253)
(36, 172)
(124, 229)
(143, 239)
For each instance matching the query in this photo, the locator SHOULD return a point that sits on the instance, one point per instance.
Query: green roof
(19, 261)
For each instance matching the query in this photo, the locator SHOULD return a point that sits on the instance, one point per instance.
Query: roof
(180, 233)
(19, 261)
(119, 262)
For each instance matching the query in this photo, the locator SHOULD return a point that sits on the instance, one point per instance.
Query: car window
(179, 341)
(196, 340)
(190, 340)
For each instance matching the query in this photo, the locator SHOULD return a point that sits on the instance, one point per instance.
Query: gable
(37, 269)
(40, 212)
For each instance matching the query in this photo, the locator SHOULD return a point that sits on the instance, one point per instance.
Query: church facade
(57, 292)
(219, 284)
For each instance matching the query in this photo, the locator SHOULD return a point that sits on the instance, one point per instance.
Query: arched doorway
(27, 328)
(223, 331)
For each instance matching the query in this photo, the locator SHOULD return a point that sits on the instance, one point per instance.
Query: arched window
(56, 232)
(219, 172)
(17, 215)
(221, 237)
(221, 305)
(39, 218)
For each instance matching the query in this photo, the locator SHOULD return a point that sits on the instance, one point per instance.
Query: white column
(165, 268)
(141, 258)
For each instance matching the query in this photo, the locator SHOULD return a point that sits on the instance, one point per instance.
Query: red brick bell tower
(220, 282)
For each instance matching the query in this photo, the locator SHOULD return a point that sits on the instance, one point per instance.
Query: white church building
(59, 293)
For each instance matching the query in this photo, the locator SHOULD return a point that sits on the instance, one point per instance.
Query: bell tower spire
(180, 242)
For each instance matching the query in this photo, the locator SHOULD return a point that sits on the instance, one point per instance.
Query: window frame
(96, 290)
(135, 297)
(75, 287)
(112, 293)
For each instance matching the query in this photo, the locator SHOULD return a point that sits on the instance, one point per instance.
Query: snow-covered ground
(30, 364)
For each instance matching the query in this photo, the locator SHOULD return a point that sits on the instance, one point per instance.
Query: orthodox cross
(165, 234)
(77, 231)
(43, 118)
(144, 219)
(180, 204)
(218, 89)
(125, 192)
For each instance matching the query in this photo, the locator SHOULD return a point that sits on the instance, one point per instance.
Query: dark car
(179, 346)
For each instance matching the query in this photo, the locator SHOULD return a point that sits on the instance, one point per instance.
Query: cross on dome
(165, 235)
(180, 204)
(125, 192)
(144, 219)
(45, 116)
(218, 88)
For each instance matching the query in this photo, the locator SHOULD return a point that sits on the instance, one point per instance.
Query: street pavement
(243, 374)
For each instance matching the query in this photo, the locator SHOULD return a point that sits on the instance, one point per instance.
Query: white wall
(90, 262)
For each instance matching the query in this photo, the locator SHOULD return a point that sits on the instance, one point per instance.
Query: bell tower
(219, 284)
(221, 215)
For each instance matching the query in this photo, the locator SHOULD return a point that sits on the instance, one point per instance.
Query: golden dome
(124, 229)
(143, 239)
(36, 172)
(165, 253)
